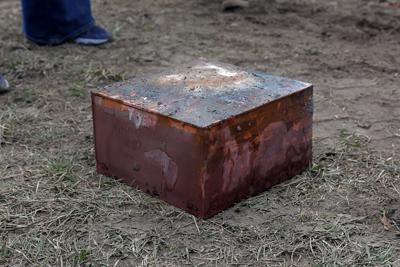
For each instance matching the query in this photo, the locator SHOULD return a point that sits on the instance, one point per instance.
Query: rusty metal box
(205, 135)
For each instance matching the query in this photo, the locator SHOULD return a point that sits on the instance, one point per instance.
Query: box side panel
(249, 154)
(157, 155)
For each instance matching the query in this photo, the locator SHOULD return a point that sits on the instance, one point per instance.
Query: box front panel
(159, 156)
(252, 152)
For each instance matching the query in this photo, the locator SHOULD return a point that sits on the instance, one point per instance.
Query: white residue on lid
(174, 77)
(220, 70)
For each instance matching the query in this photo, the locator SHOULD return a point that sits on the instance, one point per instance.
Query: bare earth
(344, 211)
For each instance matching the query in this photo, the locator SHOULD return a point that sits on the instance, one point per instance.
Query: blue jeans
(53, 22)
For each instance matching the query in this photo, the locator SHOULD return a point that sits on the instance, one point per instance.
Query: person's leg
(4, 86)
(52, 22)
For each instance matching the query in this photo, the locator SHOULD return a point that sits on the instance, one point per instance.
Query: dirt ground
(344, 211)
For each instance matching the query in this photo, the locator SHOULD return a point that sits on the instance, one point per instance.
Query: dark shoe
(94, 36)
(231, 5)
(4, 85)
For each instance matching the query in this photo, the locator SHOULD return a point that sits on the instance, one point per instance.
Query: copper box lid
(202, 93)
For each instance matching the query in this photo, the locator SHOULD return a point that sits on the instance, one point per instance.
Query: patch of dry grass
(57, 211)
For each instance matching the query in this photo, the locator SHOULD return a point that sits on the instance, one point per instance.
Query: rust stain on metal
(204, 136)
(168, 166)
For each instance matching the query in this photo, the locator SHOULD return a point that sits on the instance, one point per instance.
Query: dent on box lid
(202, 93)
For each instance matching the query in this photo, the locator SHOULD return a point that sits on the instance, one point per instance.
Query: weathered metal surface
(202, 93)
(203, 136)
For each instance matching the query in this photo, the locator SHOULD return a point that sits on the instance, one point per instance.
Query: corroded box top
(202, 93)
